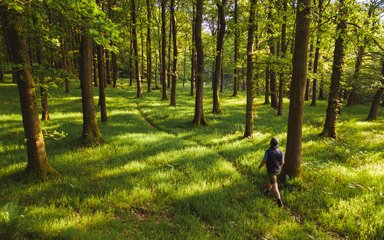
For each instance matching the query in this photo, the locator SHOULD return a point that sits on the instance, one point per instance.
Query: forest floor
(159, 177)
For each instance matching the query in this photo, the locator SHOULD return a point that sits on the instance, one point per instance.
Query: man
(274, 159)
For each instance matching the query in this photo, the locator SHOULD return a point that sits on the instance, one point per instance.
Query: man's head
(274, 142)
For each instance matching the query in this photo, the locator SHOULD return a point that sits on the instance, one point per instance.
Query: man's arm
(262, 163)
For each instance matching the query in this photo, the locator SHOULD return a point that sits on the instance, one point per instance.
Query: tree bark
(317, 52)
(95, 63)
(283, 54)
(102, 100)
(307, 85)
(114, 69)
(139, 84)
(193, 52)
(107, 67)
(375, 105)
(266, 94)
(329, 129)
(163, 50)
(199, 109)
(149, 47)
(236, 53)
(292, 166)
(218, 58)
(175, 53)
(43, 85)
(248, 133)
(38, 166)
(91, 133)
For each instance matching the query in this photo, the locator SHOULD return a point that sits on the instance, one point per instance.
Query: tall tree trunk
(292, 166)
(175, 53)
(193, 52)
(164, 49)
(222, 72)
(102, 82)
(107, 66)
(95, 63)
(38, 166)
(307, 85)
(376, 99)
(218, 58)
(272, 72)
(236, 53)
(248, 133)
(114, 69)
(64, 62)
(43, 85)
(149, 47)
(91, 133)
(283, 54)
(329, 129)
(139, 86)
(317, 51)
(266, 94)
(199, 109)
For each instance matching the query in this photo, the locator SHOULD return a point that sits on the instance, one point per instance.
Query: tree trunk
(248, 133)
(267, 76)
(199, 109)
(307, 85)
(352, 97)
(169, 56)
(139, 84)
(114, 69)
(218, 58)
(91, 133)
(317, 52)
(375, 105)
(163, 49)
(102, 82)
(292, 166)
(149, 47)
(329, 129)
(283, 54)
(193, 54)
(272, 72)
(107, 67)
(236, 53)
(43, 85)
(38, 166)
(175, 53)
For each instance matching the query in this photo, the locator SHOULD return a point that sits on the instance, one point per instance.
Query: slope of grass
(159, 177)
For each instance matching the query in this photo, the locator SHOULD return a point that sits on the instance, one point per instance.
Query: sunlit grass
(165, 179)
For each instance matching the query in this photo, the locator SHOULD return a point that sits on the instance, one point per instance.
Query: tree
(38, 166)
(376, 99)
(199, 109)
(139, 86)
(175, 53)
(218, 58)
(91, 133)
(163, 49)
(283, 55)
(292, 166)
(272, 50)
(193, 52)
(149, 47)
(249, 107)
(329, 129)
(236, 53)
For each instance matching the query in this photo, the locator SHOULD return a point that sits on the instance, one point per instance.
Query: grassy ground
(158, 177)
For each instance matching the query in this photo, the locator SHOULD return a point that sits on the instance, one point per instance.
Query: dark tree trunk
(91, 133)
(375, 105)
(43, 85)
(283, 53)
(114, 69)
(248, 133)
(317, 51)
(307, 85)
(149, 48)
(175, 53)
(169, 56)
(164, 49)
(95, 63)
(102, 82)
(236, 53)
(266, 94)
(131, 70)
(139, 84)
(107, 67)
(64, 63)
(222, 72)
(199, 109)
(329, 129)
(292, 166)
(38, 166)
(218, 58)
(272, 72)
(321, 90)
(193, 54)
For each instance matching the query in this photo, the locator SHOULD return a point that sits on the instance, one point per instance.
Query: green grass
(158, 177)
